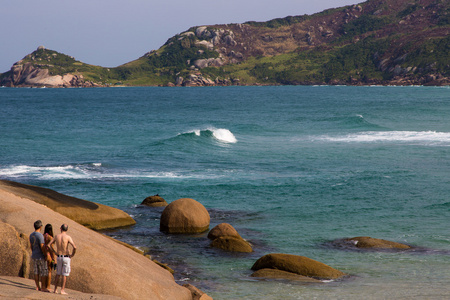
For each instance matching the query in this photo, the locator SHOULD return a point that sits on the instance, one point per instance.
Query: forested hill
(399, 42)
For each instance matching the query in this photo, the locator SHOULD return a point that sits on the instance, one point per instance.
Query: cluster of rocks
(32, 75)
(200, 80)
(187, 216)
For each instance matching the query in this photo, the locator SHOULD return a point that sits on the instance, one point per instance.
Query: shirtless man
(62, 241)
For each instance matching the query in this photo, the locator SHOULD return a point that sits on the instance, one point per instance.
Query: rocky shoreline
(100, 258)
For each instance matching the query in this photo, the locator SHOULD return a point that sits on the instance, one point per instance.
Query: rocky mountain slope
(399, 42)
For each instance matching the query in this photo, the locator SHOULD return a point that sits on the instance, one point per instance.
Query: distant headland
(378, 42)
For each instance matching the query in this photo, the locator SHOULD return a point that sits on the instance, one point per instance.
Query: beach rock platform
(296, 264)
(154, 201)
(184, 215)
(225, 237)
(92, 215)
(101, 265)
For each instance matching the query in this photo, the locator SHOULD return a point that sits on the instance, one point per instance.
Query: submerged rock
(154, 201)
(297, 264)
(368, 242)
(279, 274)
(184, 215)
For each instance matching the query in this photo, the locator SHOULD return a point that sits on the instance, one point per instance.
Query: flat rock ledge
(92, 215)
(296, 264)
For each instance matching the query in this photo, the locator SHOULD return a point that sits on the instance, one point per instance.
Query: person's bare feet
(63, 293)
(45, 290)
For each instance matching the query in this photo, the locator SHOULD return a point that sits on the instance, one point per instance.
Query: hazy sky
(112, 32)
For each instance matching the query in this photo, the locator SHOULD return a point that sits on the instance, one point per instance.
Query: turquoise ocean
(292, 168)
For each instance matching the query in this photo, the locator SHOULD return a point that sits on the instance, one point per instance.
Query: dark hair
(64, 227)
(48, 229)
(37, 224)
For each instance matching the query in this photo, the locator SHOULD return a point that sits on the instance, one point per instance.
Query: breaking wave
(220, 134)
(91, 171)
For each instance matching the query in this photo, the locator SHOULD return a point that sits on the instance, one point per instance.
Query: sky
(110, 33)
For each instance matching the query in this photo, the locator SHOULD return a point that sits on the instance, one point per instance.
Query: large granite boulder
(225, 237)
(223, 229)
(184, 215)
(372, 243)
(92, 215)
(14, 258)
(100, 266)
(232, 244)
(154, 201)
(297, 264)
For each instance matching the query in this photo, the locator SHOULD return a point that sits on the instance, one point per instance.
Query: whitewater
(292, 168)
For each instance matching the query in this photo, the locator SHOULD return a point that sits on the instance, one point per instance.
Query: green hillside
(375, 42)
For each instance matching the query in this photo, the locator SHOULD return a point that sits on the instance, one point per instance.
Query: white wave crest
(429, 137)
(224, 135)
(221, 134)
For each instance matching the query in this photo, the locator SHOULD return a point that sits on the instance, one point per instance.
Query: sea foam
(426, 137)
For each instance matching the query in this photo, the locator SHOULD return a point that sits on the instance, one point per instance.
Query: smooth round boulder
(279, 274)
(14, 256)
(154, 201)
(232, 244)
(368, 242)
(223, 229)
(184, 215)
(297, 264)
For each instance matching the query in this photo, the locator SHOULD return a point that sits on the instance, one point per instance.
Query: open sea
(292, 168)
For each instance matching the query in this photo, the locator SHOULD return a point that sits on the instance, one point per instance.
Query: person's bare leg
(44, 284)
(49, 278)
(36, 279)
(56, 282)
(63, 285)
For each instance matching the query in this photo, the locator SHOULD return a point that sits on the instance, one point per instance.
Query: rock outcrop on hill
(100, 266)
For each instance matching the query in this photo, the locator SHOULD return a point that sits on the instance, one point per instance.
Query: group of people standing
(45, 257)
